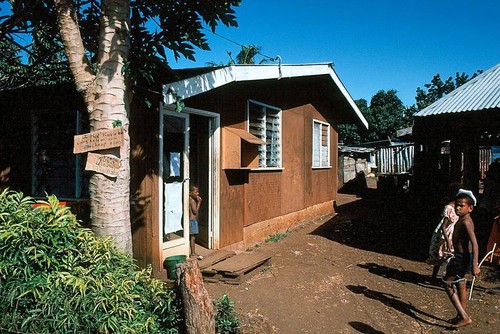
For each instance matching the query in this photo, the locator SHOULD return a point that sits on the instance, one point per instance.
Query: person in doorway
(441, 246)
(465, 257)
(194, 208)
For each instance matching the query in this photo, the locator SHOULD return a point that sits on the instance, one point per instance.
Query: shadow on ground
(396, 303)
(391, 222)
(381, 222)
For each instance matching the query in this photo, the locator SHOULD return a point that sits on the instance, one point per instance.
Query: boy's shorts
(459, 266)
(193, 226)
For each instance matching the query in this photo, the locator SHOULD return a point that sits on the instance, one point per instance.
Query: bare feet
(462, 322)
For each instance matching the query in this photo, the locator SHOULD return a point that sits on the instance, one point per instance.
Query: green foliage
(155, 27)
(276, 237)
(179, 103)
(385, 116)
(37, 59)
(436, 89)
(386, 113)
(57, 277)
(117, 123)
(226, 319)
(350, 134)
(246, 55)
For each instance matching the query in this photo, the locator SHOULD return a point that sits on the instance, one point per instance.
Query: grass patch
(276, 237)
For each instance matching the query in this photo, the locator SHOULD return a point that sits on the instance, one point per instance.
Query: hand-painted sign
(105, 164)
(98, 140)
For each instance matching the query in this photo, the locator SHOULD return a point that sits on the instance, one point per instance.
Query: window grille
(264, 122)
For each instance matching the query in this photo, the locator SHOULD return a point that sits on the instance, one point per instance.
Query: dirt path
(358, 272)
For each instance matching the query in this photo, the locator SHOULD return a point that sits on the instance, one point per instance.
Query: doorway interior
(190, 156)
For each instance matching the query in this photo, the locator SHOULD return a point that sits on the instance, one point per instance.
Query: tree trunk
(107, 102)
(199, 311)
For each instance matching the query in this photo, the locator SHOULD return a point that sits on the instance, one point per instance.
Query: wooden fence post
(199, 311)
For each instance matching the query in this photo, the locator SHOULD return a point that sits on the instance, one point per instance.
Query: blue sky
(374, 45)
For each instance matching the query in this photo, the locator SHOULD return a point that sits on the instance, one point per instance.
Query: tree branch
(73, 44)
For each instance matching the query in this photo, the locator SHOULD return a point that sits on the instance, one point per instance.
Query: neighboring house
(353, 160)
(390, 161)
(260, 141)
(452, 135)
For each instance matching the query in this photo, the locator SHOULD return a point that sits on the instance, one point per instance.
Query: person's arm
(195, 205)
(444, 226)
(469, 227)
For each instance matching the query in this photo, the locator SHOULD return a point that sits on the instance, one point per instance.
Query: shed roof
(479, 93)
(205, 79)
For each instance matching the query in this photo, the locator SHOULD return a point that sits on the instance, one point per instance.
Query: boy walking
(465, 257)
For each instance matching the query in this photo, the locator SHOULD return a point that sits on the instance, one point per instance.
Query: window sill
(270, 169)
(322, 167)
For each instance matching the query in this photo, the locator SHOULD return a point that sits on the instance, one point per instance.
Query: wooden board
(98, 140)
(236, 269)
(215, 257)
(103, 163)
(241, 262)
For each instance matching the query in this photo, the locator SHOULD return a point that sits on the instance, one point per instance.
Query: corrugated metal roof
(480, 93)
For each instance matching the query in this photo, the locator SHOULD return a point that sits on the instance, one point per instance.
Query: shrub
(57, 277)
(226, 320)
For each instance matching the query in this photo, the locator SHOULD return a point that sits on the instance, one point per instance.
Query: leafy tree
(385, 115)
(108, 46)
(10, 65)
(349, 134)
(436, 89)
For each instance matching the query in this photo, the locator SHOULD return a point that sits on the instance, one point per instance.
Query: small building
(354, 160)
(259, 141)
(454, 134)
(390, 161)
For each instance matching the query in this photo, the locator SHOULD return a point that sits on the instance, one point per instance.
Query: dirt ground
(360, 271)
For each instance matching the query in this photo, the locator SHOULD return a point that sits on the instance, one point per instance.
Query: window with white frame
(321, 144)
(264, 122)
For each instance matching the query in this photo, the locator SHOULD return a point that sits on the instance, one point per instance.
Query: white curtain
(173, 207)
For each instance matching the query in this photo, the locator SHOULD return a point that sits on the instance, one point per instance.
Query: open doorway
(204, 171)
(199, 167)
(190, 151)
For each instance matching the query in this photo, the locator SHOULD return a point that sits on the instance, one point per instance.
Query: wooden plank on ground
(240, 276)
(214, 257)
(241, 262)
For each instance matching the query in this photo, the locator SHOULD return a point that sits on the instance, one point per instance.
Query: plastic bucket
(170, 263)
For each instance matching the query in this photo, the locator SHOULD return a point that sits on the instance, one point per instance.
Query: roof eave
(219, 77)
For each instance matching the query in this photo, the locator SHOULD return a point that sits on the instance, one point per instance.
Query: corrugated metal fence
(394, 159)
(485, 158)
(399, 159)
